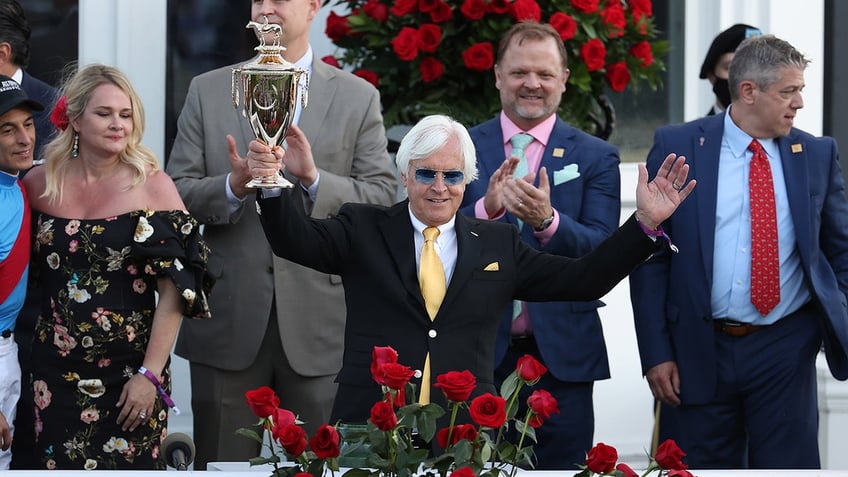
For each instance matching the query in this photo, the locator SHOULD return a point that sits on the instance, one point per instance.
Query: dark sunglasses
(428, 176)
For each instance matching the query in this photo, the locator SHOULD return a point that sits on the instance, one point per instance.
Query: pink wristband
(165, 397)
(659, 232)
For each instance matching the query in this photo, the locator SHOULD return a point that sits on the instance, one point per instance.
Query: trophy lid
(270, 58)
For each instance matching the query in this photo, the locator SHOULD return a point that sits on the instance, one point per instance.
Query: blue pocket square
(566, 174)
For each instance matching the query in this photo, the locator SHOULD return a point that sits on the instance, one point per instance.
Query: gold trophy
(269, 87)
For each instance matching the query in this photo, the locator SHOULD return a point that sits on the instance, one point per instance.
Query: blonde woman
(110, 229)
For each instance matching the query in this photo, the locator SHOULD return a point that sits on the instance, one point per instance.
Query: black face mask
(721, 88)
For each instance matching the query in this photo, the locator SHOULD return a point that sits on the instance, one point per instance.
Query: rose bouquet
(397, 438)
(436, 56)
(602, 460)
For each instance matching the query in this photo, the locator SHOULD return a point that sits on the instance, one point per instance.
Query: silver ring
(675, 186)
(142, 415)
(520, 203)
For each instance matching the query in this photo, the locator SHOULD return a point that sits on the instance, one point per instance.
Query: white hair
(431, 134)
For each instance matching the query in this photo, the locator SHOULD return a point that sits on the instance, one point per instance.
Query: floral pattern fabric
(97, 280)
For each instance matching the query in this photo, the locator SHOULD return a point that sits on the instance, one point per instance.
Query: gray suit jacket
(345, 129)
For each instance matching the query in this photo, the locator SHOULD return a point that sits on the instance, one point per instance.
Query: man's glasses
(428, 176)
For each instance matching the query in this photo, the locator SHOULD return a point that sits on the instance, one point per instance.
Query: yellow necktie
(431, 275)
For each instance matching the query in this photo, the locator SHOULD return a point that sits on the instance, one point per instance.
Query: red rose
(368, 76)
(543, 404)
(331, 60)
(642, 50)
(427, 5)
(473, 9)
(325, 442)
(564, 25)
(488, 410)
(405, 44)
(463, 472)
(292, 438)
(283, 417)
(337, 27)
(376, 10)
(59, 116)
(460, 432)
(679, 473)
(431, 69)
(641, 8)
(526, 10)
(479, 57)
(383, 416)
(601, 459)
(594, 54)
(499, 6)
(394, 375)
(402, 7)
(441, 13)
(429, 37)
(457, 385)
(263, 401)
(529, 369)
(585, 6)
(618, 76)
(669, 456)
(303, 474)
(613, 17)
(626, 470)
(380, 355)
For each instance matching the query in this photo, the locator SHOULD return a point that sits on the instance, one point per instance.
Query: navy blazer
(568, 334)
(373, 249)
(671, 292)
(47, 96)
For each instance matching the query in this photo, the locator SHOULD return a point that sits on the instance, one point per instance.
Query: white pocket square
(566, 174)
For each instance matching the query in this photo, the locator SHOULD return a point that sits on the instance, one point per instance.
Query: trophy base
(274, 182)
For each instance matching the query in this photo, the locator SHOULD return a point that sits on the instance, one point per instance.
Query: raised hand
(658, 199)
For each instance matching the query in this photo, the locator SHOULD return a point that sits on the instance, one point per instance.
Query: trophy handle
(235, 85)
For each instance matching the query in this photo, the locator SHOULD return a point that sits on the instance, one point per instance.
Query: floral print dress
(97, 280)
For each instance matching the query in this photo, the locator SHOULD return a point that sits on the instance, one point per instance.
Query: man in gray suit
(275, 323)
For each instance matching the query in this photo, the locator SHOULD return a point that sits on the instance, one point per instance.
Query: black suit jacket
(47, 96)
(373, 249)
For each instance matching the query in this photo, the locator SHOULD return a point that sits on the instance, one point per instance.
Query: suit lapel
(467, 254)
(490, 149)
(703, 166)
(397, 232)
(322, 90)
(795, 176)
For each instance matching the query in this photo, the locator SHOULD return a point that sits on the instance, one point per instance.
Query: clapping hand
(658, 199)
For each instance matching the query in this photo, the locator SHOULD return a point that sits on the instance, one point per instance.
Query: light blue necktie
(519, 142)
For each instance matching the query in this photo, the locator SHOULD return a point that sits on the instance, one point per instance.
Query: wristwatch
(545, 223)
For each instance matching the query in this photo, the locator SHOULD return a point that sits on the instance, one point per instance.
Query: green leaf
(249, 433)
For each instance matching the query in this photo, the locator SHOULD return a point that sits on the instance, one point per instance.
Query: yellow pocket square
(492, 267)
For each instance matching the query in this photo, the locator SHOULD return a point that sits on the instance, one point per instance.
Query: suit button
(432, 333)
(270, 269)
(418, 373)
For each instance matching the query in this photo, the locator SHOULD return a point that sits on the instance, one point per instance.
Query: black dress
(98, 279)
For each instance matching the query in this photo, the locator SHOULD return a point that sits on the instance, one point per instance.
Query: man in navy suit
(14, 58)
(574, 206)
(739, 364)
(486, 264)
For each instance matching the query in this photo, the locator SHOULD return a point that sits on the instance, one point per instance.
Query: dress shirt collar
(541, 132)
(738, 140)
(445, 230)
(18, 76)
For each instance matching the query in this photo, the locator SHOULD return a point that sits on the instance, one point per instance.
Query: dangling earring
(75, 150)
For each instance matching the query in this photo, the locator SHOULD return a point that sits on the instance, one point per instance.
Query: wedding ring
(675, 186)
(520, 203)
(142, 415)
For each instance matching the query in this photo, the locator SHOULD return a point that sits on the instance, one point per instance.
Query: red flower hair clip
(59, 116)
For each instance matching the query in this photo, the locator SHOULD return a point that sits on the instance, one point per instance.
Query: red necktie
(765, 264)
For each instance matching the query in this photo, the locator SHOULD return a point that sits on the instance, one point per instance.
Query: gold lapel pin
(796, 148)
(559, 152)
